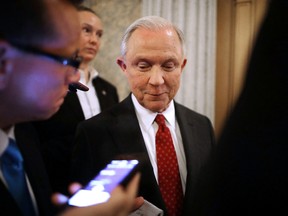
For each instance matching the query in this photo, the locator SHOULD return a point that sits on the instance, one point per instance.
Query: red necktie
(168, 171)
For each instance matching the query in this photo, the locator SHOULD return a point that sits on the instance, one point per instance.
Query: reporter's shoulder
(103, 118)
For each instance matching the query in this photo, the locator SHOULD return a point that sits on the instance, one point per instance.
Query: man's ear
(5, 64)
(121, 63)
(183, 63)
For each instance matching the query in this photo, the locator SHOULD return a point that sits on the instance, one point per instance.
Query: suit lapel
(101, 92)
(130, 141)
(195, 148)
(187, 128)
(106, 93)
(8, 206)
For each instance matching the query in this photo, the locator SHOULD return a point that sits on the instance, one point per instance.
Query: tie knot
(160, 120)
(12, 155)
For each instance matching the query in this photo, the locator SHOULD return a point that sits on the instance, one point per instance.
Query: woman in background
(106, 94)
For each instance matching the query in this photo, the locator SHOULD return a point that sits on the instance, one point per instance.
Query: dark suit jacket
(35, 170)
(57, 133)
(116, 131)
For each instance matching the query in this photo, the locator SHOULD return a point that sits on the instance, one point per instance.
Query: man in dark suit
(36, 67)
(153, 58)
(35, 172)
(33, 83)
(57, 133)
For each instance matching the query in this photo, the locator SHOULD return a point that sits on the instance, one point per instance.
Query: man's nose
(156, 76)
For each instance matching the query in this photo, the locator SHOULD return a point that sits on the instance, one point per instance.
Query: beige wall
(116, 15)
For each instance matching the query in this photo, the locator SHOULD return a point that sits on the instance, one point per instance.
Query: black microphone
(74, 86)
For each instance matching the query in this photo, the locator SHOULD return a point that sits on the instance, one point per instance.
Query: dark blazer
(35, 170)
(57, 133)
(116, 131)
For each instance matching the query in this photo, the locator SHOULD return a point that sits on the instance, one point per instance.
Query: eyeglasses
(74, 61)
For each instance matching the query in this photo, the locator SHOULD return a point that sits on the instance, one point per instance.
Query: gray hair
(151, 23)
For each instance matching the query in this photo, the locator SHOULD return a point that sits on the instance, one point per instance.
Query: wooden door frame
(232, 52)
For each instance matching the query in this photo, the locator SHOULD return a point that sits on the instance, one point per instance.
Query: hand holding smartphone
(99, 188)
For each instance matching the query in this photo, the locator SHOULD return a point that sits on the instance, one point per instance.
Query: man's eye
(143, 66)
(169, 66)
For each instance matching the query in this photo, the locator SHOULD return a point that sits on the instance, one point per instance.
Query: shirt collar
(93, 73)
(147, 117)
(4, 139)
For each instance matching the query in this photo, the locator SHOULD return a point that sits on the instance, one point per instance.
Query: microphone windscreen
(73, 87)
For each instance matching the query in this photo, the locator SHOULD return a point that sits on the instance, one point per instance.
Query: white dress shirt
(89, 100)
(149, 129)
(4, 141)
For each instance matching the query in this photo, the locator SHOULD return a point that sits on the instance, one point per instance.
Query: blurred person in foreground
(37, 41)
(57, 133)
(153, 58)
(248, 174)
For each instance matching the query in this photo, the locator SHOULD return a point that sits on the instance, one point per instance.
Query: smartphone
(99, 188)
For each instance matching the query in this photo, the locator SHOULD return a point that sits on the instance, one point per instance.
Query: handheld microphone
(74, 86)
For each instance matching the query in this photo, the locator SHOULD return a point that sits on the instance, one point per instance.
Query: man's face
(37, 84)
(91, 33)
(153, 66)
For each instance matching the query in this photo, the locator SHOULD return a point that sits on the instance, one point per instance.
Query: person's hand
(121, 202)
(138, 202)
(59, 199)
